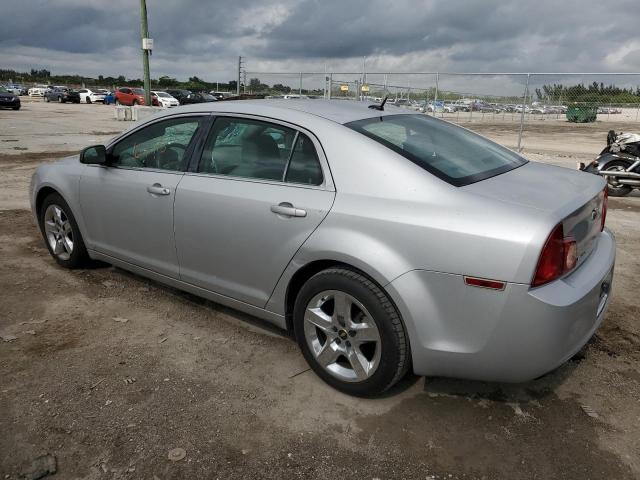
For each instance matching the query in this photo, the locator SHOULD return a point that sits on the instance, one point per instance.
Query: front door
(127, 206)
(260, 190)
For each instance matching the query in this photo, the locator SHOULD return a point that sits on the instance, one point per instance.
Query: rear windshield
(451, 153)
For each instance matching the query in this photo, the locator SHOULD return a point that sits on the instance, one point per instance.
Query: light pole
(147, 46)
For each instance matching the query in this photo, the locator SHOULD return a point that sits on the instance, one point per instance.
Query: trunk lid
(559, 194)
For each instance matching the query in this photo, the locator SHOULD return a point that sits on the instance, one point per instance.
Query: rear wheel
(88, 100)
(61, 233)
(350, 333)
(46, 99)
(614, 188)
(134, 103)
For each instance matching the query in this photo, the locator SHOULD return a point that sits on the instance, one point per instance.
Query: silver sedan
(383, 240)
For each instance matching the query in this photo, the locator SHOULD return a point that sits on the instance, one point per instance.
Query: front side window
(161, 145)
(246, 148)
(456, 155)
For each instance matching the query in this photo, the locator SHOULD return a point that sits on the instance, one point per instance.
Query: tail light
(559, 256)
(605, 202)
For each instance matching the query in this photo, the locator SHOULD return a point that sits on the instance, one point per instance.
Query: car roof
(339, 111)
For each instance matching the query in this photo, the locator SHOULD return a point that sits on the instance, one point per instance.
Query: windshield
(451, 153)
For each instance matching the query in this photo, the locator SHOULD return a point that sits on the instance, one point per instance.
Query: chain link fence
(520, 110)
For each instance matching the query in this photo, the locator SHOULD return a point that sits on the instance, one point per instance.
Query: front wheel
(614, 188)
(350, 333)
(61, 234)
(46, 99)
(88, 100)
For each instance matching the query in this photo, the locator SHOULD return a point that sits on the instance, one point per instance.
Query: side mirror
(95, 155)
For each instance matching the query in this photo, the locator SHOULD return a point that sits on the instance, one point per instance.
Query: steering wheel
(178, 148)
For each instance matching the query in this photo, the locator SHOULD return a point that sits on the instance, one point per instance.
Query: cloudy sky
(204, 38)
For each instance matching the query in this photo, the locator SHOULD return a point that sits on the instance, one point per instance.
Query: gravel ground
(109, 372)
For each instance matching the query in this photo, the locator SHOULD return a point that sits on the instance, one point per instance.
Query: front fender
(63, 177)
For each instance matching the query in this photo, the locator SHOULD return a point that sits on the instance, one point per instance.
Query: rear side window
(451, 153)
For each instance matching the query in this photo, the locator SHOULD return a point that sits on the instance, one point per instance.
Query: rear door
(257, 193)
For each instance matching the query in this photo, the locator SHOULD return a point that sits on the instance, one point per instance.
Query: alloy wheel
(342, 336)
(58, 232)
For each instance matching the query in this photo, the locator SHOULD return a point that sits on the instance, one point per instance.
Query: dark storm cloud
(489, 32)
(469, 35)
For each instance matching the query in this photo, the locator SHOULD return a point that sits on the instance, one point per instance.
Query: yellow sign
(344, 88)
(365, 88)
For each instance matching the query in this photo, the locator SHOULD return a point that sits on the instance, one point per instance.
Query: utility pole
(240, 61)
(147, 46)
(364, 76)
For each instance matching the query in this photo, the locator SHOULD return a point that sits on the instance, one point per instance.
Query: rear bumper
(512, 335)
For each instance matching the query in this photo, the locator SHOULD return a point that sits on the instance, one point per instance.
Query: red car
(133, 96)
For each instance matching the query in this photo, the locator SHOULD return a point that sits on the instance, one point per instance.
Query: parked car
(221, 95)
(110, 98)
(198, 97)
(448, 107)
(15, 89)
(165, 100)
(383, 240)
(133, 96)
(37, 91)
(92, 96)
(9, 99)
(179, 94)
(62, 95)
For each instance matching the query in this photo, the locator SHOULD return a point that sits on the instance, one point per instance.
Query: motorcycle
(619, 163)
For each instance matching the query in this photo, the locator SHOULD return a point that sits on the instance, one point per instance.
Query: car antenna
(381, 106)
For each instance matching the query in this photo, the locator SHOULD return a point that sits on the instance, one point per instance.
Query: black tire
(46, 99)
(395, 357)
(87, 99)
(16, 107)
(617, 190)
(134, 103)
(79, 257)
(60, 100)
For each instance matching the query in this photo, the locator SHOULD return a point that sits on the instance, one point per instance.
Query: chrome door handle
(288, 210)
(157, 189)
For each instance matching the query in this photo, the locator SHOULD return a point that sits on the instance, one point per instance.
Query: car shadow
(523, 393)
(239, 318)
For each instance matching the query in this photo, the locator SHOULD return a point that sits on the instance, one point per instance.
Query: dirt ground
(109, 371)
